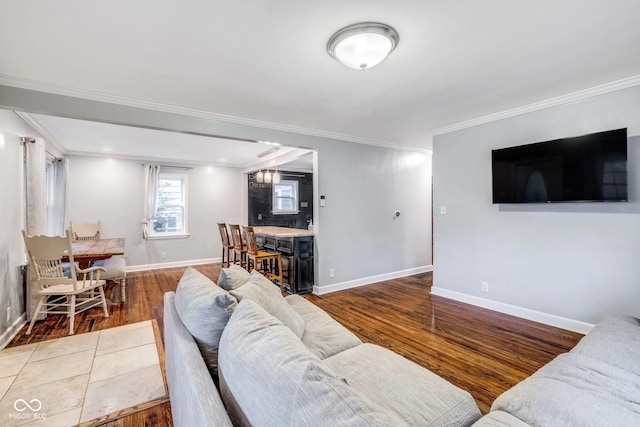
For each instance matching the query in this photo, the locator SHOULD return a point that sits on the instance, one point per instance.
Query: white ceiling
(79, 137)
(266, 61)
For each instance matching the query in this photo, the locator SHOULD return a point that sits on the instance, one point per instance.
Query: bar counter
(282, 231)
(296, 248)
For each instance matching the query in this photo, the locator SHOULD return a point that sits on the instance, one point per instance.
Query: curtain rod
(173, 167)
(25, 139)
(53, 156)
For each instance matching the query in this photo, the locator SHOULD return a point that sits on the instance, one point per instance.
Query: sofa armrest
(194, 398)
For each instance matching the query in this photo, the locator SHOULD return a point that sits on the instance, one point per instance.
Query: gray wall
(356, 233)
(11, 220)
(112, 191)
(576, 261)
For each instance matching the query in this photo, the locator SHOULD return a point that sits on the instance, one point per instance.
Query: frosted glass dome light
(364, 45)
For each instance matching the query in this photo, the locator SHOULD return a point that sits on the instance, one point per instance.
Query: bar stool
(239, 247)
(268, 263)
(226, 244)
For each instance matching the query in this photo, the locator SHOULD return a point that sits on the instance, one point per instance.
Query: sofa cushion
(204, 309)
(267, 295)
(404, 388)
(276, 381)
(322, 398)
(575, 390)
(323, 336)
(500, 419)
(232, 277)
(194, 398)
(616, 341)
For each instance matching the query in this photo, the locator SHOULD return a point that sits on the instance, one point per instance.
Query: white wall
(574, 261)
(11, 221)
(112, 191)
(359, 236)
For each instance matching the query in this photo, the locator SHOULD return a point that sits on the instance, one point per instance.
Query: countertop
(282, 231)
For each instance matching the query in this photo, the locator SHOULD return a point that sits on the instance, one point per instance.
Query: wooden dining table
(86, 251)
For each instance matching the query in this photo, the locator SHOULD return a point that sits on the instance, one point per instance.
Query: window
(171, 215)
(285, 197)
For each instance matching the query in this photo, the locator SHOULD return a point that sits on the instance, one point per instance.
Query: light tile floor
(72, 380)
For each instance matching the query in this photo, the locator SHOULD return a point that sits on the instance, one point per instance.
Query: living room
(565, 265)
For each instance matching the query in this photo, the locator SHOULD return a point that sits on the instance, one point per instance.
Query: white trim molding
(514, 310)
(325, 289)
(13, 330)
(536, 106)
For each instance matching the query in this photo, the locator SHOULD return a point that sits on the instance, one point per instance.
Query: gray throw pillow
(204, 309)
(233, 277)
(267, 295)
(261, 361)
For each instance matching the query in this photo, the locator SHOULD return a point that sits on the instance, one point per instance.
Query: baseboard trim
(514, 310)
(13, 330)
(145, 267)
(319, 290)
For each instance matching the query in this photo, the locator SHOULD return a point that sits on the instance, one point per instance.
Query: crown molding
(167, 108)
(31, 121)
(536, 106)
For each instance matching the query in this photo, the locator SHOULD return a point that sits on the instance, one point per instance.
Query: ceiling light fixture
(363, 45)
(267, 177)
(276, 176)
(260, 176)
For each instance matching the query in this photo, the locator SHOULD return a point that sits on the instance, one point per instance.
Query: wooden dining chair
(59, 293)
(266, 262)
(226, 244)
(115, 266)
(239, 248)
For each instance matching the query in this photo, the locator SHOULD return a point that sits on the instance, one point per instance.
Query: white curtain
(57, 197)
(35, 164)
(35, 169)
(152, 173)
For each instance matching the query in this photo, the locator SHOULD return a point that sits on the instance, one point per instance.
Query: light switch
(443, 210)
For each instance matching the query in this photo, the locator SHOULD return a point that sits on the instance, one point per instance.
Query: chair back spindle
(252, 244)
(86, 231)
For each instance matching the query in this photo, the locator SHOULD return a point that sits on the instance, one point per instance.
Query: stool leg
(279, 277)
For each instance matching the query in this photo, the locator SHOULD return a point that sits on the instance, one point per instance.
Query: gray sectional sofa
(597, 383)
(242, 354)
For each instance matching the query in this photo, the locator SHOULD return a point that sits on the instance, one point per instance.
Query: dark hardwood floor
(481, 351)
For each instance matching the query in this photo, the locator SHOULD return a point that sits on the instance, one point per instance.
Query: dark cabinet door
(303, 254)
(304, 275)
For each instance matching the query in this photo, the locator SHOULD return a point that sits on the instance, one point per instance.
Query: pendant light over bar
(363, 45)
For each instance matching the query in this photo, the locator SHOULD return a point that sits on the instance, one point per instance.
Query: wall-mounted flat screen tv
(588, 168)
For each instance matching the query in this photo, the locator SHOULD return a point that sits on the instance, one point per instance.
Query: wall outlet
(332, 272)
(485, 287)
(163, 255)
(8, 314)
(259, 217)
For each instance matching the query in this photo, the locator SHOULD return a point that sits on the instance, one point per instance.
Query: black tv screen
(588, 168)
